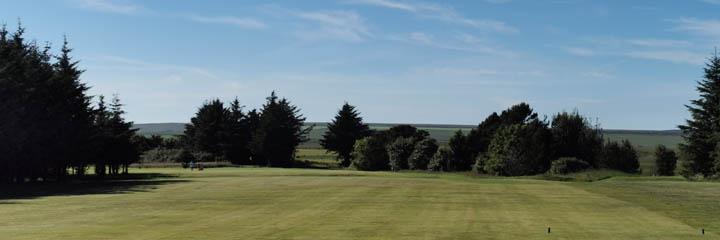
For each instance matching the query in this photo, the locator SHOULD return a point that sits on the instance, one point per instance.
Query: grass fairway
(257, 203)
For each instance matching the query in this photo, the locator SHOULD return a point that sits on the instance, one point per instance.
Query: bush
(161, 155)
(398, 153)
(665, 161)
(567, 165)
(205, 157)
(621, 157)
(421, 155)
(370, 155)
(440, 160)
(479, 164)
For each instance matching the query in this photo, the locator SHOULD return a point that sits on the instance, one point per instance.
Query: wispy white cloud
(240, 22)
(497, 1)
(598, 75)
(426, 39)
(698, 26)
(342, 25)
(711, 1)
(659, 43)
(670, 56)
(114, 6)
(580, 51)
(442, 13)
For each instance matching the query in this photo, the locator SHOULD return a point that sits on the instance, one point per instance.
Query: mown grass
(266, 203)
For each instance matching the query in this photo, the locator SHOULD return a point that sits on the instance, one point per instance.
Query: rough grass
(262, 203)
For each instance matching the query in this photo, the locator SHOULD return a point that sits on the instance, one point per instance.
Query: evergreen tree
(279, 132)
(73, 113)
(343, 132)
(701, 132)
(239, 135)
(208, 130)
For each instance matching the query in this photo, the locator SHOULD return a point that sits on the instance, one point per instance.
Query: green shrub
(370, 155)
(161, 155)
(665, 161)
(479, 164)
(440, 160)
(398, 153)
(621, 157)
(567, 165)
(421, 155)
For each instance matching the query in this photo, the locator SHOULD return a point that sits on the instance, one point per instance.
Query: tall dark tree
(343, 132)
(115, 136)
(574, 136)
(208, 130)
(279, 132)
(73, 112)
(463, 157)
(239, 135)
(478, 139)
(701, 131)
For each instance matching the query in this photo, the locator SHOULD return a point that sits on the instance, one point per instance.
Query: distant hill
(443, 132)
(160, 128)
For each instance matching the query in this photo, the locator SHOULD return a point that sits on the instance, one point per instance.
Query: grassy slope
(234, 203)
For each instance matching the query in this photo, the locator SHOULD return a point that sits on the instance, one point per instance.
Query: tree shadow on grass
(110, 185)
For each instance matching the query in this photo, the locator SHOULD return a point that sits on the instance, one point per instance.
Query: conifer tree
(279, 132)
(701, 131)
(343, 132)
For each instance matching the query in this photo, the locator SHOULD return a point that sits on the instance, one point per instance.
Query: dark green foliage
(209, 130)
(621, 157)
(160, 154)
(278, 133)
(441, 159)
(462, 161)
(46, 118)
(479, 165)
(421, 155)
(399, 151)
(665, 161)
(343, 132)
(239, 135)
(115, 137)
(478, 140)
(700, 132)
(222, 132)
(381, 141)
(573, 136)
(520, 149)
(567, 165)
(370, 154)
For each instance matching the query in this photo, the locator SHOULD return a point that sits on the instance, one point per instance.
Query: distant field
(443, 133)
(262, 203)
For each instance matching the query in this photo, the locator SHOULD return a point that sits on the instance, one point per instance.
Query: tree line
(512, 143)
(49, 129)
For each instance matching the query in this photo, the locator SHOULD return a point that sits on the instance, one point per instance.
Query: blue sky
(629, 64)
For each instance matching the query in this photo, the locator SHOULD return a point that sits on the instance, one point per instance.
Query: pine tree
(72, 112)
(207, 131)
(279, 132)
(343, 132)
(239, 131)
(701, 132)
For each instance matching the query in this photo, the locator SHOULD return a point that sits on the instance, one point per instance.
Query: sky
(624, 64)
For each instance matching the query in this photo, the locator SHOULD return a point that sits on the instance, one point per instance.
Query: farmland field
(261, 203)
